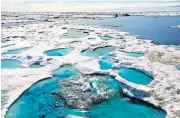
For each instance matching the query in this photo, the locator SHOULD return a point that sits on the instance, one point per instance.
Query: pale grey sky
(86, 5)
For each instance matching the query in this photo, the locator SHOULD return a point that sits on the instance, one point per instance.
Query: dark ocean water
(148, 27)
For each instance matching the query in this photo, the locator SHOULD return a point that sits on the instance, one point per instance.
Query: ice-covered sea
(52, 67)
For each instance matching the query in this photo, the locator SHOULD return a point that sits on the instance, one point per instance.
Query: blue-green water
(178, 67)
(105, 62)
(75, 34)
(98, 51)
(112, 83)
(134, 54)
(148, 27)
(106, 37)
(42, 101)
(124, 108)
(10, 63)
(58, 52)
(135, 76)
(38, 101)
(65, 71)
(36, 65)
(17, 51)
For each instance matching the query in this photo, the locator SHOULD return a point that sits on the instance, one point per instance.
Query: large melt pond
(98, 51)
(10, 63)
(42, 101)
(58, 52)
(123, 107)
(135, 76)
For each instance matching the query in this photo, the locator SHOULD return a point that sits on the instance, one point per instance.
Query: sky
(88, 5)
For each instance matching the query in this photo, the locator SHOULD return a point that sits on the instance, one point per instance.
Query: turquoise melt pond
(41, 100)
(98, 51)
(36, 65)
(106, 37)
(125, 108)
(135, 76)
(38, 101)
(65, 71)
(17, 51)
(10, 63)
(58, 52)
(106, 63)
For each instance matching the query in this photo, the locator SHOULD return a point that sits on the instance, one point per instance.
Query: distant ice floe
(175, 26)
